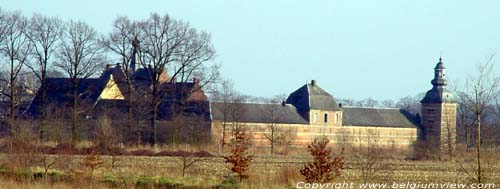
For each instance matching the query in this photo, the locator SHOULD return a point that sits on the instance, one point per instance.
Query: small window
(326, 117)
(337, 120)
(315, 117)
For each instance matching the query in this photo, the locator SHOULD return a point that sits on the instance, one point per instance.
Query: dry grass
(266, 171)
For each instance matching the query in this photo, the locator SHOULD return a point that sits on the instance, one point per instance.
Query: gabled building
(308, 112)
(311, 112)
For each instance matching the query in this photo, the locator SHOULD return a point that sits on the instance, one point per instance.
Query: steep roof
(378, 117)
(59, 92)
(256, 113)
(312, 97)
(438, 95)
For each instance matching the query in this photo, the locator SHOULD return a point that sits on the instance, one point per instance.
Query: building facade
(311, 112)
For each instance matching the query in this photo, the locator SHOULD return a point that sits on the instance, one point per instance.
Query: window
(337, 120)
(315, 117)
(326, 117)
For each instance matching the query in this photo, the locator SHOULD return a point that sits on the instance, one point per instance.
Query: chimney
(196, 81)
(283, 103)
(340, 105)
(118, 65)
(107, 66)
(313, 82)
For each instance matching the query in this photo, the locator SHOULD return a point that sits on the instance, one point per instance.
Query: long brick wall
(302, 134)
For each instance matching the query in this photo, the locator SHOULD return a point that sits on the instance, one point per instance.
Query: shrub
(324, 167)
(239, 157)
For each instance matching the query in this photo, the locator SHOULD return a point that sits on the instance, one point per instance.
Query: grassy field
(276, 171)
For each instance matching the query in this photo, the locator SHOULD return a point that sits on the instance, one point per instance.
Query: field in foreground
(277, 171)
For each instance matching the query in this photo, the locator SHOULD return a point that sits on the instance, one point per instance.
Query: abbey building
(311, 112)
(185, 113)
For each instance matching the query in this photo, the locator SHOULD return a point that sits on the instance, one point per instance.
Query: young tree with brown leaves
(239, 158)
(325, 167)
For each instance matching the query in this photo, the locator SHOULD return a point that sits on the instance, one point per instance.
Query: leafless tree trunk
(15, 49)
(167, 43)
(450, 132)
(225, 93)
(123, 42)
(370, 156)
(4, 24)
(274, 114)
(409, 103)
(466, 117)
(481, 89)
(80, 57)
(44, 35)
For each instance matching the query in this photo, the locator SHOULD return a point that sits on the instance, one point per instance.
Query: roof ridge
(258, 103)
(383, 108)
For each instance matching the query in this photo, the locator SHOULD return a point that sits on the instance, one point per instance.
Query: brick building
(311, 112)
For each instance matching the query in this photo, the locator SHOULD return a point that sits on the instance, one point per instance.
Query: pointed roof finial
(440, 56)
(135, 42)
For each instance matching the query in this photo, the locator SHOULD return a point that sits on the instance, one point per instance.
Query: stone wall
(301, 134)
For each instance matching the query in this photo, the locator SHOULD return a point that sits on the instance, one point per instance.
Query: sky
(352, 48)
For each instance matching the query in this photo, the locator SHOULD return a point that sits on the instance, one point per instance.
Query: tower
(316, 105)
(134, 56)
(438, 122)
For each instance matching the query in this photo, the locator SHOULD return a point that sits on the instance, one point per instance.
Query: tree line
(39, 47)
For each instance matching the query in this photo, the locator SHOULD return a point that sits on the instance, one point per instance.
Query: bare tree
(80, 56)
(225, 94)
(3, 24)
(388, 103)
(272, 129)
(370, 157)
(465, 118)
(123, 42)
(450, 133)
(167, 43)
(273, 115)
(481, 90)
(410, 104)
(368, 102)
(346, 101)
(15, 50)
(44, 35)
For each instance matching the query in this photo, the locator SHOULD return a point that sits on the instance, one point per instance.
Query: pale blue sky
(353, 48)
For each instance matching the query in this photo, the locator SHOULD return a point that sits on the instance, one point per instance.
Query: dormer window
(326, 117)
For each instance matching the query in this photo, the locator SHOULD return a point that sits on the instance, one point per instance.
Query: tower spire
(439, 74)
(133, 59)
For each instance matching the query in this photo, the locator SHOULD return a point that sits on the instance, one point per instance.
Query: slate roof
(59, 92)
(311, 96)
(378, 117)
(256, 113)
(438, 95)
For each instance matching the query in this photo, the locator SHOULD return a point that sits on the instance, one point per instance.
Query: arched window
(326, 117)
